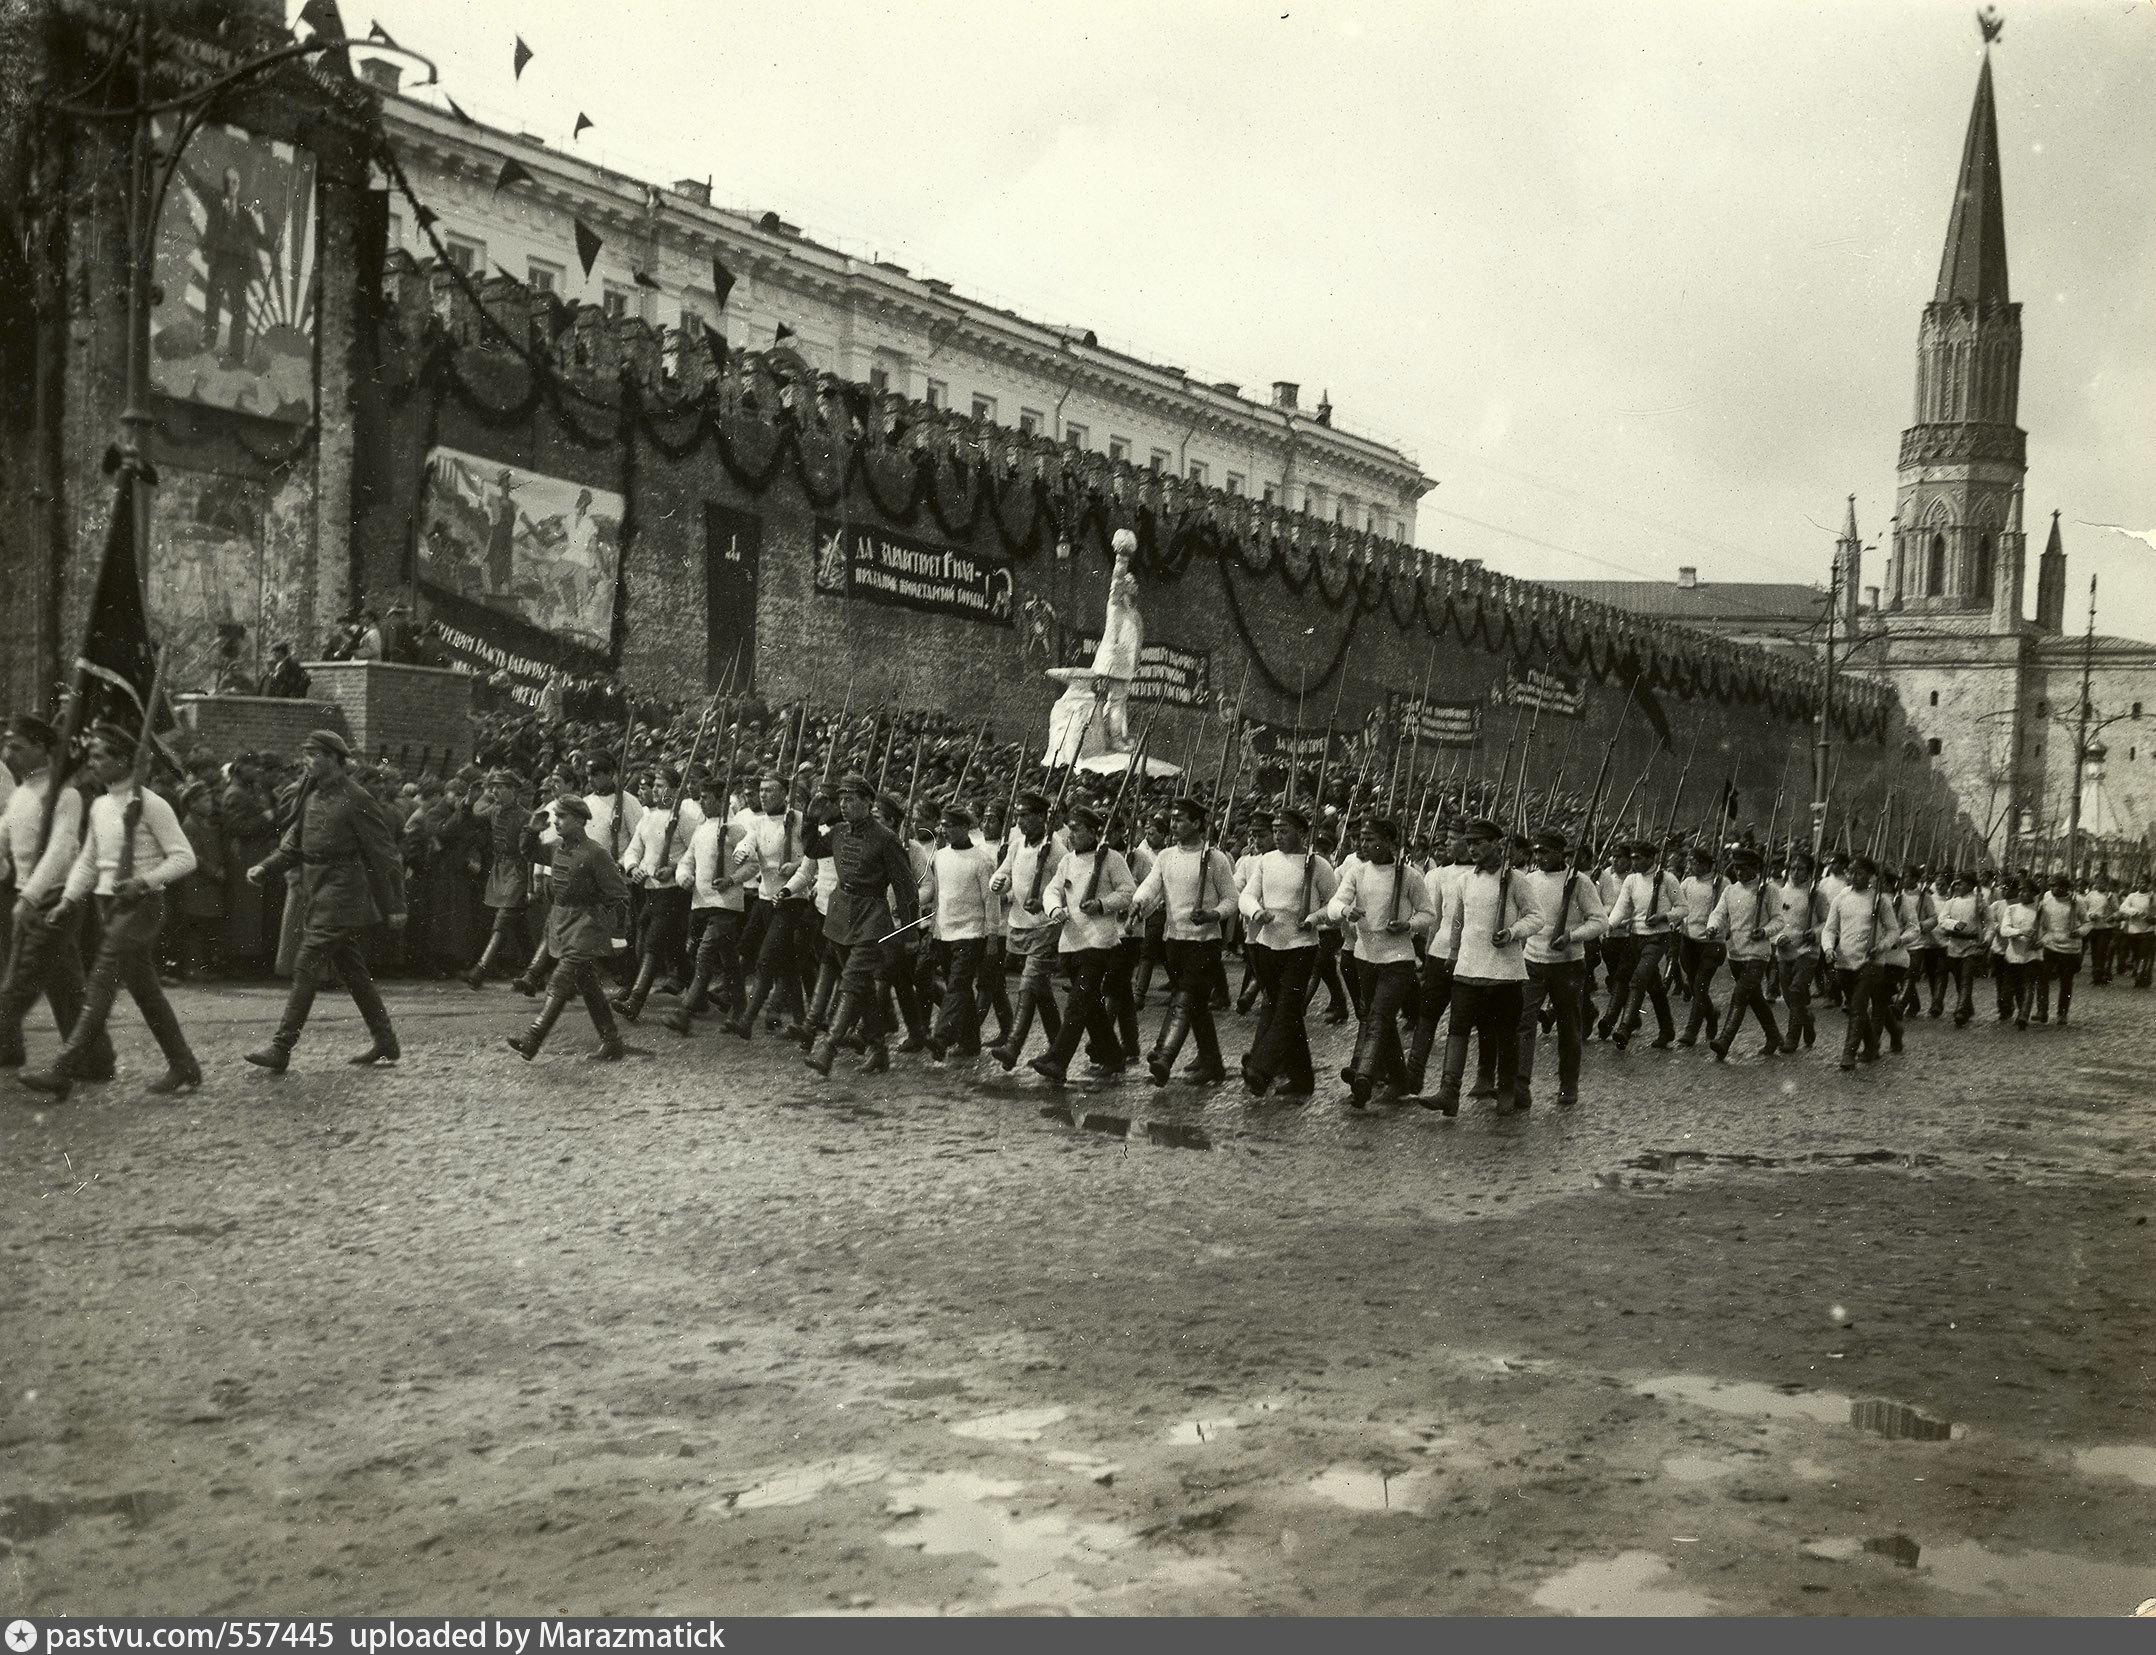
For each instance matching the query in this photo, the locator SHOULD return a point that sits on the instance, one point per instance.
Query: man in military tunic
(351, 877)
(873, 869)
(591, 906)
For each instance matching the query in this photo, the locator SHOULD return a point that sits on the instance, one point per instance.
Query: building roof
(1973, 267)
(1706, 601)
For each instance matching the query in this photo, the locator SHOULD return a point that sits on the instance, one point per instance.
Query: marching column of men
(850, 924)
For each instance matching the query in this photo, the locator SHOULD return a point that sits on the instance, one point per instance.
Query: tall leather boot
(845, 1012)
(182, 1072)
(745, 1020)
(1161, 1063)
(534, 974)
(1485, 1069)
(550, 1010)
(1446, 1100)
(1360, 1074)
(631, 1004)
(1006, 1051)
(692, 1003)
(375, 1015)
(476, 978)
(819, 1011)
(1703, 1015)
(610, 1048)
(1418, 1053)
(278, 1053)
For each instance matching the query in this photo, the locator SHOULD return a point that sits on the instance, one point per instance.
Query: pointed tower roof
(1974, 264)
(2054, 547)
(1849, 527)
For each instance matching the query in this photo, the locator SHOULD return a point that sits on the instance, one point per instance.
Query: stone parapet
(232, 724)
(400, 712)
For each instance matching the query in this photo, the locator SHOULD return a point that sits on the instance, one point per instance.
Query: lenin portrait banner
(234, 321)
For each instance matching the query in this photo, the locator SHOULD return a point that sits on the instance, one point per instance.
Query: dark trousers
(326, 956)
(1961, 973)
(2060, 968)
(47, 959)
(2141, 954)
(1086, 1015)
(1282, 1047)
(1387, 990)
(1562, 984)
(663, 933)
(1645, 983)
(718, 950)
(989, 992)
(786, 938)
(2101, 953)
(1861, 990)
(1618, 953)
(580, 979)
(958, 1020)
(126, 958)
(1493, 1011)
(1800, 973)
(1327, 971)
(1750, 995)
(1122, 999)
(1192, 968)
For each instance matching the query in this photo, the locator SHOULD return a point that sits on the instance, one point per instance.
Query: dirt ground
(697, 1333)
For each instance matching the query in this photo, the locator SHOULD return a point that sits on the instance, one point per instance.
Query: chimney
(1871, 599)
(381, 74)
(697, 190)
(1687, 577)
(1284, 391)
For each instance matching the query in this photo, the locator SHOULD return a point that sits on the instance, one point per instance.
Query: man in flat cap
(1652, 903)
(133, 849)
(345, 846)
(1087, 897)
(1284, 894)
(1194, 883)
(874, 876)
(1744, 919)
(591, 907)
(40, 830)
(1029, 856)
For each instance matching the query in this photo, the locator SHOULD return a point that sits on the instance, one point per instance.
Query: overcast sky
(1638, 285)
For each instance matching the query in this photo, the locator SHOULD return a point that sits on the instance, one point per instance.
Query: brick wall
(409, 711)
(232, 724)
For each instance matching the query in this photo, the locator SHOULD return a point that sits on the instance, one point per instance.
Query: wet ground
(699, 1333)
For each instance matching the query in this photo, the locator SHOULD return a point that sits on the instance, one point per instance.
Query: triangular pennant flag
(722, 281)
(524, 56)
(588, 243)
(785, 333)
(375, 31)
(426, 216)
(118, 661)
(715, 343)
(456, 111)
(322, 17)
(645, 278)
(513, 172)
(583, 122)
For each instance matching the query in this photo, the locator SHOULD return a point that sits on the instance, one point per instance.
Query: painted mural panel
(234, 322)
(210, 584)
(523, 563)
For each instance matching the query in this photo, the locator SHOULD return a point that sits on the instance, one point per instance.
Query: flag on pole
(722, 281)
(118, 662)
(523, 56)
(583, 122)
(513, 172)
(588, 243)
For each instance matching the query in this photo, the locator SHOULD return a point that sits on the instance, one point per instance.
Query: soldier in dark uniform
(872, 868)
(591, 908)
(345, 847)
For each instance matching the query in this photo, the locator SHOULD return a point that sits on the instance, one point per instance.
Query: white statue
(1093, 715)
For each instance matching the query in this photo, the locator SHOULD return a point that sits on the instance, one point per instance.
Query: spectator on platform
(286, 678)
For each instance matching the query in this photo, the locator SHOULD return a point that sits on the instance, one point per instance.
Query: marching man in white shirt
(1744, 918)
(709, 873)
(1486, 929)
(1194, 883)
(1087, 898)
(133, 850)
(1285, 892)
(1651, 902)
(1388, 904)
(1557, 963)
(45, 957)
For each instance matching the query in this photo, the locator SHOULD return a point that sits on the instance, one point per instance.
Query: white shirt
(707, 871)
(1173, 884)
(1700, 896)
(2135, 908)
(1444, 886)
(958, 893)
(2058, 926)
(1961, 926)
(1021, 869)
(1275, 883)
(34, 876)
(1739, 912)
(602, 818)
(1640, 893)
(2016, 932)
(769, 844)
(1860, 928)
(1488, 926)
(1368, 892)
(162, 853)
(1797, 913)
(1584, 918)
(1608, 883)
(642, 859)
(1067, 891)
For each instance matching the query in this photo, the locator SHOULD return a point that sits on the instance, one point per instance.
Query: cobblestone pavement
(698, 1333)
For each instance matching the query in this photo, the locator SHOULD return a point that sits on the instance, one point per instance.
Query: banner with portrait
(233, 325)
(859, 560)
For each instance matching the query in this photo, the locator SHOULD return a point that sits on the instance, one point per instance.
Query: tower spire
(1973, 267)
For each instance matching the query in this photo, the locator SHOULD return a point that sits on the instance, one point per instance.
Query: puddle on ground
(2038, 1583)
(1361, 1489)
(1693, 1468)
(1747, 1397)
(953, 1513)
(25, 1517)
(2128, 1460)
(1898, 1549)
(797, 1485)
(1021, 1425)
(1898, 1419)
(1835, 1549)
(1101, 1471)
(1631, 1583)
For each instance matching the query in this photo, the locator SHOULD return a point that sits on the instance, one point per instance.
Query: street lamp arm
(246, 71)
